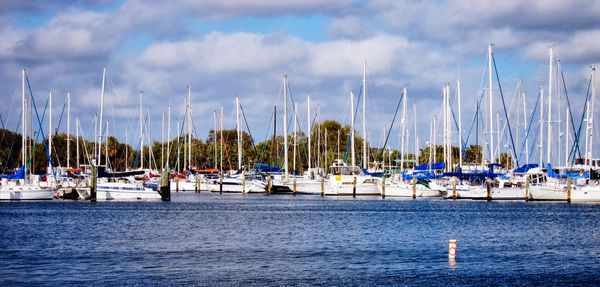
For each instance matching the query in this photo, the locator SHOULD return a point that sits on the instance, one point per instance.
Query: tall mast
(416, 136)
(215, 137)
(352, 127)
(403, 128)
(24, 123)
(162, 142)
(141, 129)
(168, 134)
(491, 105)
(106, 146)
(460, 139)
(68, 129)
(592, 112)
(126, 150)
(295, 135)
(309, 131)
(189, 126)
(50, 131)
(525, 125)
(222, 143)
(449, 127)
(541, 140)
(364, 116)
(567, 138)
(285, 134)
(550, 66)
(239, 133)
(101, 120)
(77, 138)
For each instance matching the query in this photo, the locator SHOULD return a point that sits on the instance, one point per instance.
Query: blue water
(281, 240)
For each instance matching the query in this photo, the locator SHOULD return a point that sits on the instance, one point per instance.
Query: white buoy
(452, 248)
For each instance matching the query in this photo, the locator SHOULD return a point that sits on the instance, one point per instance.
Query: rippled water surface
(259, 240)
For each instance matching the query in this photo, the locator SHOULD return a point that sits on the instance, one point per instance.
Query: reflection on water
(259, 240)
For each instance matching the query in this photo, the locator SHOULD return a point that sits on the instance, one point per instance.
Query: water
(259, 240)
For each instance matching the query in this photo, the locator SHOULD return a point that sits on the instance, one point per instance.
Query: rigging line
(9, 156)
(529, 125)
(60, 119)
(505, 112)
(569, 107)
(585, 107)
(392, 124)
(248, 127)
(41, 130)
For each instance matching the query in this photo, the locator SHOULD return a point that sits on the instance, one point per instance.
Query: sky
(228, 48)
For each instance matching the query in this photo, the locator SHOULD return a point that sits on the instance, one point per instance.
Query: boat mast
(77, 139)
(215, 136)
(541, 140)
(295, 135)
(525, 125)
(416, 136)
(162, 142)
(549, 135)
(364, 114)
(491, 105)
(168, 134)
(24, 129)
(460, 139)
(239, 133)
(285, 134)
(68, 129)
(141, 129)
(222, 143)
(126, 151)
(567, 137)
(590, 123)
(352, 127)
(403, 128)
(50, 132)
(309, 132)
(106, 147)
(189, 126)
(99, 124)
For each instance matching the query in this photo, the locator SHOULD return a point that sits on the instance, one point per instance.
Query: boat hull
(31, 193)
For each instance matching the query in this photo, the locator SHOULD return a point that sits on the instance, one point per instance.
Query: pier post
(383, 187)
(569, 190)
(269, 185)
(197, 183)
(177, 183)
(220, 183)
(354, 187)
(454, 189)
(93, 183)
(322, 186)
(243, 184)
(165, 186)
(488, 186)
(527, 189)
(294, 190)
(414, 187)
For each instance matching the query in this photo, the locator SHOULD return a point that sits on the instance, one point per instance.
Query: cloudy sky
(228, 48)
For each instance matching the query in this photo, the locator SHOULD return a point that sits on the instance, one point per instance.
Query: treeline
(329, 141)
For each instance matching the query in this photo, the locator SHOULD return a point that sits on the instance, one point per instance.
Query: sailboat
(350, 179)
(18, 187)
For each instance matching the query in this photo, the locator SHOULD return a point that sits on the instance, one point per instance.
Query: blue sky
(233, 48)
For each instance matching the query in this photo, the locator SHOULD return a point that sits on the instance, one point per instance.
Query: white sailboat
(350, 180)
(22, 189)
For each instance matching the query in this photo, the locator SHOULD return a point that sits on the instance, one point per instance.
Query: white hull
(119, 191)
(308, 187)
(183, 185)
(406, 190)
(590, 193)
(548, 193)
(348, 189)
(480, 192)
(25, 193)
(236, 186)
